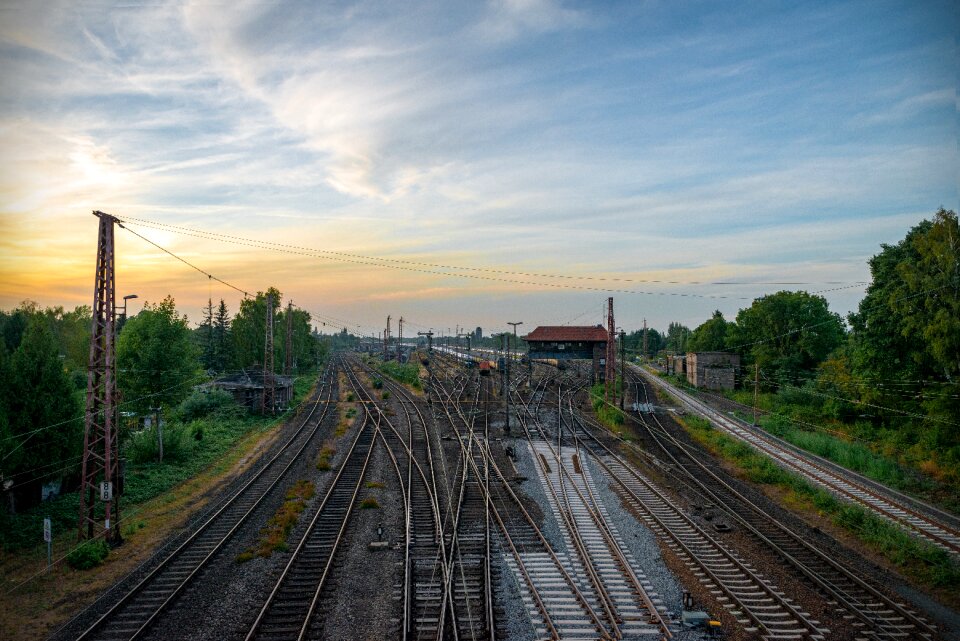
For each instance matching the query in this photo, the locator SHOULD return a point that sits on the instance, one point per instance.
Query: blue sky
(643, 141)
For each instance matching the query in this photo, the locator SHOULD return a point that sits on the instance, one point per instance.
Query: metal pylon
(267, 402)
(100, 443)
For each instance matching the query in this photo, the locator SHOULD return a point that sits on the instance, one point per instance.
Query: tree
(157, 357)
(677, 336)
(249, 329)
(788, 333)
(304, 346)
(204, 335)
(711, 336)
(41, 409)
(221, 338)
(907, 328)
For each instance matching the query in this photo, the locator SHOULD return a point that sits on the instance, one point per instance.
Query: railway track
(757, 605)
(879, 616)
(139, 608)
(824, 474)
(288, 611)
(622, 593)
(427, 600)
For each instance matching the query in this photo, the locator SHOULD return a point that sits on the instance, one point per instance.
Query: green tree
(677, 336)
(304, 345)
(711, 336)
(40, 404)
(248, 330)
(221, 338)
(907, 328)
(788, 333)
(157, 357)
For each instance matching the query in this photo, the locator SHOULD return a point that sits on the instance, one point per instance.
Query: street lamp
(123, 315)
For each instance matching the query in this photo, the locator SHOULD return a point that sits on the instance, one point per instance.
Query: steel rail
(169, 595)
(826, 476)
(298, 553)
(849, 601)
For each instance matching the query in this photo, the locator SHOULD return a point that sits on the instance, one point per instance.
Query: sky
(470, 164)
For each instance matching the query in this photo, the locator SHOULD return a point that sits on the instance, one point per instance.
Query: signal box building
(712, 370)
(567, 342)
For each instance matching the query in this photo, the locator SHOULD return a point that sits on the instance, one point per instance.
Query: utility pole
(267, 400)
(386, 340)
(611, 372)
(99, 471)
(623, 343)
(399, 336)
(756, 389)
(505, 380)
(288, 346)
(644, 339)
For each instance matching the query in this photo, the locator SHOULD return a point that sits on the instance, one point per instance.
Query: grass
(47, 598)
(369, 503)
(273, 537)
(374, 484)
(406, 373)
(921, 560)
(610, 416)
(326, 454)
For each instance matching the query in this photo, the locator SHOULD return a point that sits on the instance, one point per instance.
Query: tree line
(161, 359)
(888, 373)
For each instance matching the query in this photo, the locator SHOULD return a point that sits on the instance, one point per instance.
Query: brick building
(568, 342)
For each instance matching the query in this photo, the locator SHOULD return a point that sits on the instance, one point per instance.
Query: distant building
(247, 387)
(477, 334)
(712, 370)
(676, 364)
(566, 342)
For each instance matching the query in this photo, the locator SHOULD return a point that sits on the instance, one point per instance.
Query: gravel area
(363, 598)
(641, 542)
(512, 619)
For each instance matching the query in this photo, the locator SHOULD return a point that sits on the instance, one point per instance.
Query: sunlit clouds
(614, 145)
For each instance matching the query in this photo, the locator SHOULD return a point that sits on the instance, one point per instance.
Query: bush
(203, 403)
(377, 383)
(386, 396)
(178, 441)
(88, 555)
(369, 503)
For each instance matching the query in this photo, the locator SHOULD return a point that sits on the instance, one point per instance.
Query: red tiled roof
(593, 333)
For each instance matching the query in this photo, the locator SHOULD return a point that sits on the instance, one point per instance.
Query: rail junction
(543, 525)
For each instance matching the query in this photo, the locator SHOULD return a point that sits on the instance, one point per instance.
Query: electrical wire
(185, 262)
(227, 237)
(399, 265)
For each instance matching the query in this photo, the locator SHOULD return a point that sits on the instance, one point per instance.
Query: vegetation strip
(273, 537)
(921, 560)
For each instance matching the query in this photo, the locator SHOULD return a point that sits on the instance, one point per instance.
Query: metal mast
(267, 402)
(386, 339)
(288, 347)
(399, 336)
(99, 471)
(611, 372)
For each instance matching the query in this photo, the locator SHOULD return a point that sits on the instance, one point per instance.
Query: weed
(88, 555)
(369, 503)
(385, 396)
(375, 484)
(273, 537)
(323, 460)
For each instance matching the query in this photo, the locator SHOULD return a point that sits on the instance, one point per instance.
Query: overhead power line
(429, 268)
(185, 261)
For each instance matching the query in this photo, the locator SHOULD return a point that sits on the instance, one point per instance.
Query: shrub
(178, 441)
(377, 383)
(386, 396)
(203, 403)
(88, 555)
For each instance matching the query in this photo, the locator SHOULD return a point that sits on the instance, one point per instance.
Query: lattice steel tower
(267, 402)
(288, 347)
(611, 371)
(99, 475)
